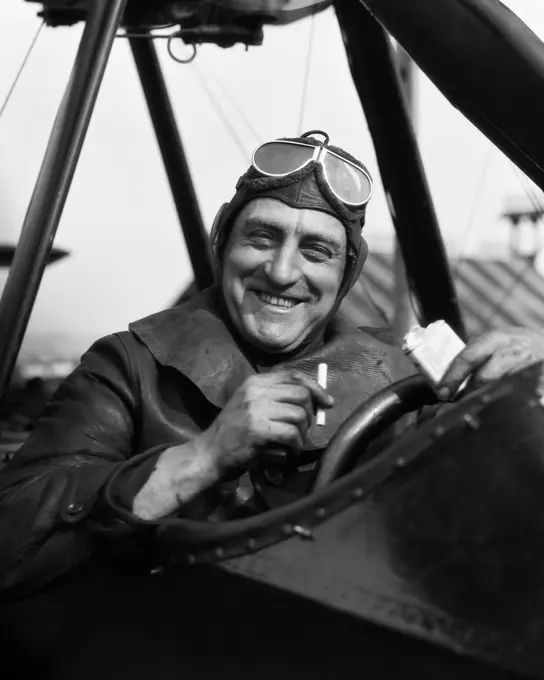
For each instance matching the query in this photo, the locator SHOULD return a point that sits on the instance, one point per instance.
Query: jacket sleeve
(51, 513)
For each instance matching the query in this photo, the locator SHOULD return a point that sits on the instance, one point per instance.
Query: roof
(492, 293)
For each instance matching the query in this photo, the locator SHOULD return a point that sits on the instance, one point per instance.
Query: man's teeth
(274, 300)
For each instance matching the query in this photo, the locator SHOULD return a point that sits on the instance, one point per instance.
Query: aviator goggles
(348, 182)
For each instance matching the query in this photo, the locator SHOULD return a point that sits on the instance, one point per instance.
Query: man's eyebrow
(255, 222)
(252, 222)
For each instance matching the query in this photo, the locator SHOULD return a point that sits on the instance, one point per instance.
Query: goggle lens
(349, 184)
(276, 158)
(347, 181)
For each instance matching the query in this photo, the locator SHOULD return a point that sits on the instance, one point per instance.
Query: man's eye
(261, 237)
(317, 253)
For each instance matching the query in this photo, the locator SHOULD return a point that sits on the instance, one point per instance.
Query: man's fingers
(320, 396)
(288, 434)
(298, 395)
(471, 360)
(290, 413)
(460, 369)
(504, 362)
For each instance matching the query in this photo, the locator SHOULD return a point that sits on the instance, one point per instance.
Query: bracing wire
(21, 69)
(518, 280)
(461, 250)
(530, 192)
(307, 71)
(238, 141)
(231, 100)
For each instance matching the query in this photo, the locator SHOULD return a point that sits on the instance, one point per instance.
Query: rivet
(191, 559)
(400, 462)
(486, 398)
(357, 493)
(287, 529)
(219, 552)
(471, 421)
(321, 512)
(439, 431)
(251, 544)
(75, 508)
(303, 532)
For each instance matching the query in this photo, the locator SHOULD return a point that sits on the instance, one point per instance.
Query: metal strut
(173, 155)
(54, 180)
(378, 84)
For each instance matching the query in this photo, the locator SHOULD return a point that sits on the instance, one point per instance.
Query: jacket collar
(193, 339)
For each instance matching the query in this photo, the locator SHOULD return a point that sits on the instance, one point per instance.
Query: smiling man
(207, 409)
(282, 274)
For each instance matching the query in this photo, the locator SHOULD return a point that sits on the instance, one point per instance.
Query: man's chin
(274, 345)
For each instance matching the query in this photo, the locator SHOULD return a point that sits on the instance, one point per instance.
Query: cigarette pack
(432, 348)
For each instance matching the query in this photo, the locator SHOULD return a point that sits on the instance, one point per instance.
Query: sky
(127, 257)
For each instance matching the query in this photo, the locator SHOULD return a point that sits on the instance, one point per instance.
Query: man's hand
(492, 356)
(269, 408)
(272, 408)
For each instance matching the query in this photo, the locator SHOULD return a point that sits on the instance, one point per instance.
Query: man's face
(282, 272)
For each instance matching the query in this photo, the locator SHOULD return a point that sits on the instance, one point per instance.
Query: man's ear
(217, 233)
(363, 254)
(217, 227)
(361, 259)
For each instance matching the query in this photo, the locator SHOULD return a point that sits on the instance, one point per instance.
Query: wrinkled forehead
(286, 220)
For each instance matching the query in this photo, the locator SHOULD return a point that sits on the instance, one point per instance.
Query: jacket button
(74, 508)
(274, 476)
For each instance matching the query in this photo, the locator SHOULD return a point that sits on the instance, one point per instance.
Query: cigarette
(322, 381)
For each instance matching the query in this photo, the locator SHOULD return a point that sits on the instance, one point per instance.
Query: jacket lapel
(193, 339)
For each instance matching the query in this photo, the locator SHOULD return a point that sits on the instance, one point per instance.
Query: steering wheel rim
(368, 421)
(203, 541)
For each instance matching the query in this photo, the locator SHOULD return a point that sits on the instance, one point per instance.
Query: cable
(531, 194)
(231, 101)
(20, 71)
(306, 74)
(221, 114)
(537, 206)
(461, 250)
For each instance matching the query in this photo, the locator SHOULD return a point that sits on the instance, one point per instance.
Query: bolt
(303, 532)
(471, 421)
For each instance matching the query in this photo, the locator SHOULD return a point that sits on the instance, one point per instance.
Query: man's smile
(280, 303)
(280, 276)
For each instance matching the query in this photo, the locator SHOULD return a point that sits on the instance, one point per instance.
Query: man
(170, 415)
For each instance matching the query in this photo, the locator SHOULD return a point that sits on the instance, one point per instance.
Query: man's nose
(283, 268)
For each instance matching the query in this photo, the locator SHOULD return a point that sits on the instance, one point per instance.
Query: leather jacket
(134, 394)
